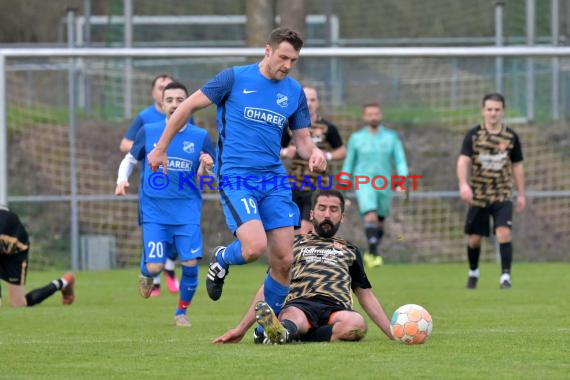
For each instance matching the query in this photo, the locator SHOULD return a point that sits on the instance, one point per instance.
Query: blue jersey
(175, 199)
(147, 116)
(252, 114)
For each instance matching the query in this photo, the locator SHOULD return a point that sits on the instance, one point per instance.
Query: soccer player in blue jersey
(255, 103)
(170, 205)
(152, 114)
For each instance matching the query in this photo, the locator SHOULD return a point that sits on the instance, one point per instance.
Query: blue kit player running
(153, 114)
(255, 103)
(170, 205)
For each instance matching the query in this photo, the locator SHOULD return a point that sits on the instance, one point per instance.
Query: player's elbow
(125, 145)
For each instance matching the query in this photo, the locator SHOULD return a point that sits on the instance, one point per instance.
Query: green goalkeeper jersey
(371, 154)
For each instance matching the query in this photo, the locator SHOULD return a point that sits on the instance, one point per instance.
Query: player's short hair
(175, 85)
(309, 87)
(327, 193)
(161, 76)
(495, 96)
(285, 35)
(370, 105)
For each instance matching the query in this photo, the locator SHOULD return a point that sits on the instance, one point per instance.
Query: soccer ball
(411, 324)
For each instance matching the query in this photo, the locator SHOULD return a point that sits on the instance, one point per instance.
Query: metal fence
(63, 111)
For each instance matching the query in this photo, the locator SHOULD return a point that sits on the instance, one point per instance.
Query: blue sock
(188, 285)
(231, 255)
(274, 293)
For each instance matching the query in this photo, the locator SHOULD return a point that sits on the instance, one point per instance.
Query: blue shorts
(268, 202)
(159, 240)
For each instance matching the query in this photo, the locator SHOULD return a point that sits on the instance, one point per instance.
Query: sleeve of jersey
(219, 86)
(357, 274)
(285, 138)
(334, 137)
(134, 128)
(467, 146)
(208, 147)
(516, 154)
(400, 158)
(300, 118)
(138, 148)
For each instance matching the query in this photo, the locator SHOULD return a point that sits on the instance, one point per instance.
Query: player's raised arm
(193, 103)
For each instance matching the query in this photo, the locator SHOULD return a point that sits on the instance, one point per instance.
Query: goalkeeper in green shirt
(374, 151)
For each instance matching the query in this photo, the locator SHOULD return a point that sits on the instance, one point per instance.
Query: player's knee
(154, 268)
(353, 328)
(503, 234)
(371, 217)
(474, 241)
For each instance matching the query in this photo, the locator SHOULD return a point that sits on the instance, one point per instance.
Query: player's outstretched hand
(121, 188)
(232, 336)
(466, 194)
(156, 158)
(317, 161)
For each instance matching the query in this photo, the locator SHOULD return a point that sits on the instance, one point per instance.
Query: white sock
(156, 280)
(505, 277)
(59, 282)
(474, 273)
(170, 264)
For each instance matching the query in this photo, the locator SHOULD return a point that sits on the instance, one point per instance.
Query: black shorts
(303, 200)
(13, 268)
(319, 311)
(477, 222)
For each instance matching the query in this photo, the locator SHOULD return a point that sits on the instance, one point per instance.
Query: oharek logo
(260, 115)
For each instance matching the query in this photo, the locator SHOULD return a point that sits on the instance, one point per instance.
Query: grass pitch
(111, 332)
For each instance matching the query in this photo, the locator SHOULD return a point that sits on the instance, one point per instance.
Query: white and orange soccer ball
(411, 324)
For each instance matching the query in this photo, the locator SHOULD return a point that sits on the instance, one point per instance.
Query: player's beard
(326, 228)
(374, 124)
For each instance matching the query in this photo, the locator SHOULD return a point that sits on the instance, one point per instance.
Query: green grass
(112, 332)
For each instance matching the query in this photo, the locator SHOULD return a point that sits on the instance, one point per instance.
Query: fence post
(72, 98)
(499, 6)
(3, 134)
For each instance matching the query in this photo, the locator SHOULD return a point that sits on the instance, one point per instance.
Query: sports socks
(188, 285)
(320, 334)
(231, 255)
(506, 250)
(169, 266)
(371, 230)
(473, 256)
(36, 296)
(274, 293)
(292, 329)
